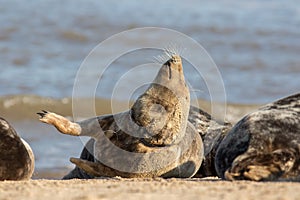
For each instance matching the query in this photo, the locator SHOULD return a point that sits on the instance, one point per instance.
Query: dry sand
(118, 188)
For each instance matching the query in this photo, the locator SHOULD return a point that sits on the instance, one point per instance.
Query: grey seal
(212, 132)
(264, 145)
(153, 139)
(16, 156)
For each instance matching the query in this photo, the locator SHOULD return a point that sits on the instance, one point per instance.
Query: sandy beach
(118, 188)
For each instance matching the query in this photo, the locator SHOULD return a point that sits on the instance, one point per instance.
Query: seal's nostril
(168, 63)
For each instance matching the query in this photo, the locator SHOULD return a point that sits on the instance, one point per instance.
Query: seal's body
(264, 145)
(16, 157)
(212, 132)
(152, 139)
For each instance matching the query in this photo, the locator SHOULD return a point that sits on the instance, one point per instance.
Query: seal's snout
(174, 65)
(171, 75)
(176, 59)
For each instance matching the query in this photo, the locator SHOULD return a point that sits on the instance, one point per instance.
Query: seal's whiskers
(168, 53)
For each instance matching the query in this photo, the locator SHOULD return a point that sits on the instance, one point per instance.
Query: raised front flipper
(61, 123)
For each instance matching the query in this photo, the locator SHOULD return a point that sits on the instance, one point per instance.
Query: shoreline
(24, 107)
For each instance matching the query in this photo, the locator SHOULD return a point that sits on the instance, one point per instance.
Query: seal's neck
(163, 109)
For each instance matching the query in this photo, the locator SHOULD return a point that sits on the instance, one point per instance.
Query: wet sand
(117, 188)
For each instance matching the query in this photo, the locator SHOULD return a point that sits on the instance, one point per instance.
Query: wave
(25, 107)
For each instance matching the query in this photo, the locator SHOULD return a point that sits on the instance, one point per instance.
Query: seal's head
(171, 76)
(163, 109)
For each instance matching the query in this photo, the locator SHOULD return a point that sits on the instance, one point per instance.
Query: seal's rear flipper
(254, 173)
(262, 167)
(89, 167)
(86, 154)
(95, 168)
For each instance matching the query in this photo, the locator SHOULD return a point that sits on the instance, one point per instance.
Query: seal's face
(163, 109)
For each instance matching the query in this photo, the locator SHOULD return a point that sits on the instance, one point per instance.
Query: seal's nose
(176, 59)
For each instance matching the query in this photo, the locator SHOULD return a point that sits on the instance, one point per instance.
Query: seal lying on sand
(264, 145)
(152, 139)
(16, 157)
(211, 131)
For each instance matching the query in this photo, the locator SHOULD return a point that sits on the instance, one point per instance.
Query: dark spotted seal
(264, 145)
(152, 139)
(16, 157)
(212, 132)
